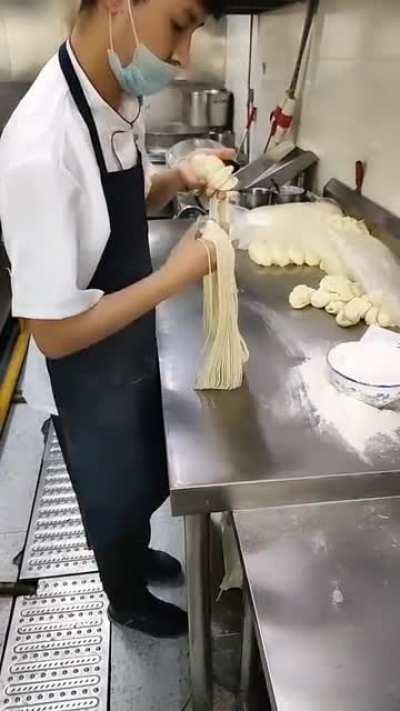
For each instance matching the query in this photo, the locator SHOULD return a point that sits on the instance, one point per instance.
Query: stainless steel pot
(195, 109)
(219, 105)
(207, 108)
(288, 194)
(254, 197)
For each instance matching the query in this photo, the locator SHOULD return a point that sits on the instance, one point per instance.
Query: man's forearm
(164, 187)
(114, 312)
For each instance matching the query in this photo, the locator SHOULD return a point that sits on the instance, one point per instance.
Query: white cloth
(52, 207)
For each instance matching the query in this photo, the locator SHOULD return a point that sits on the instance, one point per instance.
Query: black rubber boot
(162, 568)
(153, 617)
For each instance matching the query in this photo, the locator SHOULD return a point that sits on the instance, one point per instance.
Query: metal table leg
(197, 535)
(248, 653)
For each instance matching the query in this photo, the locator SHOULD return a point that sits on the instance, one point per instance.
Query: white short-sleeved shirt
(52, 207)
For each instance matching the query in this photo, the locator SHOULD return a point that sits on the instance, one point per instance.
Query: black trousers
(117, 523)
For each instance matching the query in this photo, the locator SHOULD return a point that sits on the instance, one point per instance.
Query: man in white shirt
(73, 182)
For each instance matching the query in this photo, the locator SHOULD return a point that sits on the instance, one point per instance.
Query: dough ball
(334, 307)
(339, 286)
(376, 298)
(296, 256)
(356, 309)
(260, 253)
(300, 297)
(311, 259)
(333, 283)
(280, 256)
(384, 319)
(320, 298)
(357, 289)
(371, 316)
(343, 321)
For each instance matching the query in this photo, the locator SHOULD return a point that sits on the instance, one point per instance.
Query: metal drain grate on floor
(56, 543)
(57, 655)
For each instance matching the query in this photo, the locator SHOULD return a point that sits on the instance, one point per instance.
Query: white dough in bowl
(368, 363)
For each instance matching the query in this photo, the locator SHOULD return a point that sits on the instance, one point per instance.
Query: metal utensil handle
(311, 10)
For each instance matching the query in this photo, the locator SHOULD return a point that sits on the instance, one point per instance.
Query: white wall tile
(237, 66)
(349, 100)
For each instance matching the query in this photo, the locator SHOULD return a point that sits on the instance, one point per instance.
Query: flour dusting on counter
(363, 428)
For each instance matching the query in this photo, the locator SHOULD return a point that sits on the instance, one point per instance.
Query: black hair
(213, 7)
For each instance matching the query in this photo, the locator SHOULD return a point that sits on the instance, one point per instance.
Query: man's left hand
(186, 178)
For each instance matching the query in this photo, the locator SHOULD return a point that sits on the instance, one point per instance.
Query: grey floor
(146, 675)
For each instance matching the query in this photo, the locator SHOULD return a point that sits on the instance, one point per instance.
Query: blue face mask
(146, 74)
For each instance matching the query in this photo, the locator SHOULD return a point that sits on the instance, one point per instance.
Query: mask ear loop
(135, 34)
(110, 32)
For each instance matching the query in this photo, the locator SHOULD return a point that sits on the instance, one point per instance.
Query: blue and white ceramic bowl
(383, 391)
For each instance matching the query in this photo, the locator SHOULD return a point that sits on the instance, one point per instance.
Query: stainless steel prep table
(324, 586)
(244, 449)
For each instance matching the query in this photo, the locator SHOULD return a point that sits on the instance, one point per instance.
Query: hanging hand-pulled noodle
(224, 351)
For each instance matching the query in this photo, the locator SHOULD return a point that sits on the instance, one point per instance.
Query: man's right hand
(188, 262)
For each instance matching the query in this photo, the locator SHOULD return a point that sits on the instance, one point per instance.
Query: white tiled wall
(237, 66)
(350, 98)
(30, 32)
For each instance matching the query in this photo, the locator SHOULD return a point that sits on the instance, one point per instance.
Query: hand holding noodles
(214, 172)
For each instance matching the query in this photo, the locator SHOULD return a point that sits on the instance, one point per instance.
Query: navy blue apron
(110, 423)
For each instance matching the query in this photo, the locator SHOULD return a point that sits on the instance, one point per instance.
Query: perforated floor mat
(57, 655)
(56, 543)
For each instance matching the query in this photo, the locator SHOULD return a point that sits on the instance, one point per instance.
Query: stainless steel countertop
(325, 583)
(244, 449)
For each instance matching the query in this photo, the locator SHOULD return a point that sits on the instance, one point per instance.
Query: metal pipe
(197, 536)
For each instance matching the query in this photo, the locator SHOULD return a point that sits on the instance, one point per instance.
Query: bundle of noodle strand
(224, 352)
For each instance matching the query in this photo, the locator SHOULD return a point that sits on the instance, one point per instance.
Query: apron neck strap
(82, 104)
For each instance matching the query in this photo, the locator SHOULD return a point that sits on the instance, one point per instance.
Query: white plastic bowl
(348, 364)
